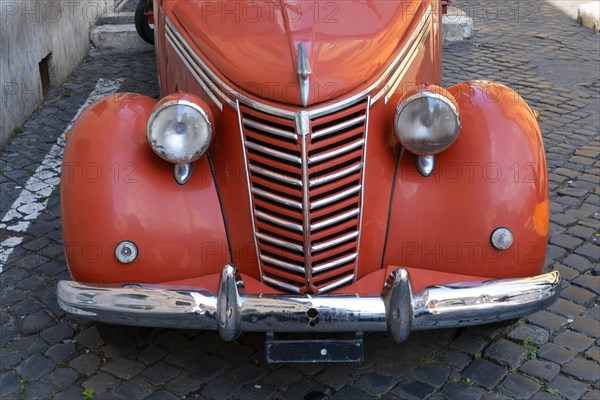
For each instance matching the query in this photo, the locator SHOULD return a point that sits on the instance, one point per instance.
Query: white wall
(29, 31)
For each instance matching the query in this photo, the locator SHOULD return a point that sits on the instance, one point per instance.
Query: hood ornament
(303, 70)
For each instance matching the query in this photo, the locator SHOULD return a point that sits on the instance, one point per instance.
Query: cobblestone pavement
(550, 60)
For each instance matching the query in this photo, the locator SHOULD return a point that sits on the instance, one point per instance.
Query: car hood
(255, 44)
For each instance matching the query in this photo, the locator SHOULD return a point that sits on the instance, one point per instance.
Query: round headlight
(179, 131)
(427, 122)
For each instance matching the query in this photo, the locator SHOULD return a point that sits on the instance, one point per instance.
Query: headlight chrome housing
(427, 122)
(180, 129)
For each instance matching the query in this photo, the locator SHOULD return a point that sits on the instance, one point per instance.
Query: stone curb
(456, 26)
(588, 15)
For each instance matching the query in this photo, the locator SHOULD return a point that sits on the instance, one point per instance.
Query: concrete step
(128, 5)
(456, 26)
(116, 18)
(118, 37)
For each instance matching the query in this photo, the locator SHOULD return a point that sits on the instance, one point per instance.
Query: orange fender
(114, 188)
(493, 176)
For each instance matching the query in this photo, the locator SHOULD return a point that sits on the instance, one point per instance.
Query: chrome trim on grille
(275, 175)
(333, 220)
(336, 175)
(274, 153)
(336, 152)
(277, 198)
(278, 242)
(319, 203)
(339, 127)
(334, 242)
(306, 196)
(383, 84)
(335, 263)
(282, 285)
(302, 119)
(337, 284)
(269, 129)
(291, 267)
(278, 221)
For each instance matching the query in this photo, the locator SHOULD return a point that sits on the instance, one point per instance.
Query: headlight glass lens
(427, 123)
(179, 131)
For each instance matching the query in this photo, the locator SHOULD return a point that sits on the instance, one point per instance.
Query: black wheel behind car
(142, 24)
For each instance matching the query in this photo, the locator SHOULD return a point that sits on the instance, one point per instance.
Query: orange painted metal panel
(253, 44)
(493, 176)
(115, 188)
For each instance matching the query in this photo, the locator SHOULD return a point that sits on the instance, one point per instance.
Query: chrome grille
(306, 195)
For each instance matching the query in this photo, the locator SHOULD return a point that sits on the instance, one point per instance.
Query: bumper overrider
(230, 311)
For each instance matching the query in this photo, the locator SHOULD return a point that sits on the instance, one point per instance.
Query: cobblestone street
(551, 61)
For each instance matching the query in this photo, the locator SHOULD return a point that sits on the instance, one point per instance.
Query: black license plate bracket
(314, 351)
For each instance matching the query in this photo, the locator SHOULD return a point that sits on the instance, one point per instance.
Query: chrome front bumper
(397, 310)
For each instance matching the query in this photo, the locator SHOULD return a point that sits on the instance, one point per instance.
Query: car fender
(114, 188)
(493, 176)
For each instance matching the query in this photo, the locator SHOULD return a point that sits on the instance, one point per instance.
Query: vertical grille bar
(246, 165)
(306, 193)
(306, 222)
(362, 192)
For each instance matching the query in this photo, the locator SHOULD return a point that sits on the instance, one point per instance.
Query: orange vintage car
(305, 172)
